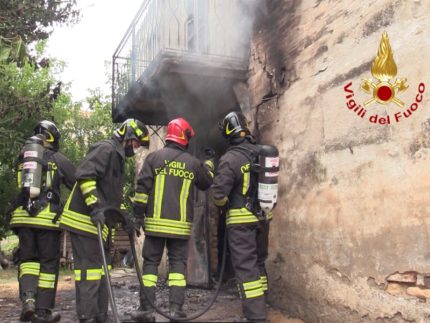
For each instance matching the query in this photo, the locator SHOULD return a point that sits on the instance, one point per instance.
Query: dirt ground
(126, 290)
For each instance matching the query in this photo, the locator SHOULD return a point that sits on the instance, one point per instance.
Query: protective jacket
(235, 183)
(59, 171)
(165, 186)
(99, 183)
(234, 188)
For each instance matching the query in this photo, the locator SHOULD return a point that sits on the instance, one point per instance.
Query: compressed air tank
(268, 177)
(32, 168)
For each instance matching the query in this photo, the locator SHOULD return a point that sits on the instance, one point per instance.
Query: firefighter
(34, 220)
(99, 184)
(234, 192)
(164, 203)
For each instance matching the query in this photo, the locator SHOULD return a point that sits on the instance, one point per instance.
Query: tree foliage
(80, 127)
(28, 88)
(31, 90)
(33, 20)
(27, 95)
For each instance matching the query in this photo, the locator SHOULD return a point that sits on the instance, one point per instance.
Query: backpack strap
(251, 197)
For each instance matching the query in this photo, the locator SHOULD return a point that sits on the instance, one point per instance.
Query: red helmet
(179, 131)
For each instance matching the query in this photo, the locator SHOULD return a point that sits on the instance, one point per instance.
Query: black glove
(97, 217)
(139, 209)
(209, 153)
(223, 205)
(210, 161)
(223, 209)
(129, 226)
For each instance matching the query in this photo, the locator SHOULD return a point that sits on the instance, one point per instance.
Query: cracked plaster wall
(354, 196)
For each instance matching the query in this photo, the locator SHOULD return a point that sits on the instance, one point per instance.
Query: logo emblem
(383, 91)
(384, 69)
(50, 137)
(121, 131)
(182, 136)
(227, 130)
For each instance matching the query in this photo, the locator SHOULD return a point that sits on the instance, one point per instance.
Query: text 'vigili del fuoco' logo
(386, 89)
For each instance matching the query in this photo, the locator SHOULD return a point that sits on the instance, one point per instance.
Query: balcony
(180, 58)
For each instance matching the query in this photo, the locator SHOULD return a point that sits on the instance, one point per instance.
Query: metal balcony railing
(208, 28)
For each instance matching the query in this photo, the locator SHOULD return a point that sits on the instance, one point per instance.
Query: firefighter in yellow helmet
(41, 170)
(164, 199)
(99, 184)
(233, 190)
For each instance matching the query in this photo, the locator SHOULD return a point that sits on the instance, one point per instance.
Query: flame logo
(384, 69)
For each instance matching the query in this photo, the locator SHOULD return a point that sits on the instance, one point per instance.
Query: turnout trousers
(263, 253)
(92, 296)
(39, 258)
(177, 251)
(248, 245)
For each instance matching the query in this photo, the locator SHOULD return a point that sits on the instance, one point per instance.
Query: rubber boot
(45, 316)
(144, 313)
(176, 311)
(28, 307)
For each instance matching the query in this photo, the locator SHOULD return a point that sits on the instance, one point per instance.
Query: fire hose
(158, 310)
(107, 276)
(121, 219)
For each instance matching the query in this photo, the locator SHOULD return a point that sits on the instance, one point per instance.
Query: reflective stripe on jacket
(103, 164)
(62, 171)
(78, 222)
(232, 183)
(20, 218)
(166, 182)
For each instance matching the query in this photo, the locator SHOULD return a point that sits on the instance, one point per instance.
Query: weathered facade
(350, 235)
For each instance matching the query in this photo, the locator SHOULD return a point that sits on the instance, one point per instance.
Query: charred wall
(353, 215)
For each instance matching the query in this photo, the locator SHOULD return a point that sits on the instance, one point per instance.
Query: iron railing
(209, 28)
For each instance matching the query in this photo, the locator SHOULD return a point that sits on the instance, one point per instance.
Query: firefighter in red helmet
(233, 191)
(163, 200)
(99, 184)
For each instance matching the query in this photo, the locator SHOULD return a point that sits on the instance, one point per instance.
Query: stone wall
(350, 235)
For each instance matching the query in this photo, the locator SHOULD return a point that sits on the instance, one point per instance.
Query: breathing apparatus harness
(37, 180)
(262, 195)
(251, 197)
